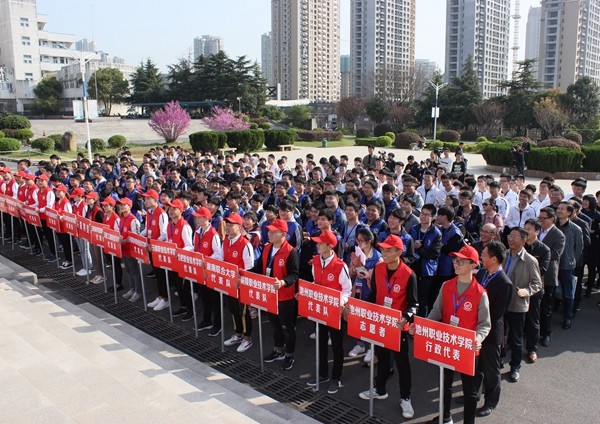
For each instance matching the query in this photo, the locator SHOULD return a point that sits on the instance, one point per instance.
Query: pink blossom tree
(224, 119)
(170, 122)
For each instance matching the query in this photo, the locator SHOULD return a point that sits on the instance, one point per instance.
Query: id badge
(268, 274)
(454, 320)
(387, 302)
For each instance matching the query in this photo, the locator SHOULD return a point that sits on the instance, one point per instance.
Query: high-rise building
(266, 58)
(532, 36)
(345, 80)
(480, 29)
(569, 42)
(306, 48)
(382, 47)
(425, 70)
(207, 45)
(85, 45)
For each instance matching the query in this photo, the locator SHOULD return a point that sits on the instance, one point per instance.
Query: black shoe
(274, 356)
(546, 341)
(313, 382)
(567, 324)
(179, 312)
(204, 325)
(111, 288)
(436, 420)
(288, 363)
(189, 315)
(334, 386)
(514, 375)
(151, 274)
(214, 332)
(37, 252)
(484, 411)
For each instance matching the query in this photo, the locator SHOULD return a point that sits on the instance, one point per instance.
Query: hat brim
(387, 246)
(461, 256)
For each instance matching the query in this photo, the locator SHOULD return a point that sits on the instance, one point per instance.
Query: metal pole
(56, 248)
(143, 286)
(371, 378)
(2, 219)
(194, 308)
(222, 323)
(112, 258)
(72, 254)
(12, 231)
(39, 238)
(260, 342)
(169, 294)
(435, 113)
(28, 237)
(441, 411)
(317, 357)
(103, 270)
(88, 265)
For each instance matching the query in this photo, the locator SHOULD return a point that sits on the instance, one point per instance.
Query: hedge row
(276, 138)
(382, 141)
(467, 148)
(207, 141)
(246, 140)
(315, 135)
(14, 122)
(549, 159)
(8, 144)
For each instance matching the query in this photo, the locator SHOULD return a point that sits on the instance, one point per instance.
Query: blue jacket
(361, 283)
(452, 241)
(427, 255)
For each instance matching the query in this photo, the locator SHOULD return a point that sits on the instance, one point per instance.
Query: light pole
(435, 113)
(239, 99)
(83, 60)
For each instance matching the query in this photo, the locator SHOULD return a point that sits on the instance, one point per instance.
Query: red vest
(43, 200)
(22, 193)
(79, 208)
(467, 311)
(204, 244)
(175, 232)
(110, 220)
(328, 276)
(9, 188)
(2, 185)
(152, 223)
(59, 205)
(124, 229)
(235, 254)
(279, 267)
(94, 212)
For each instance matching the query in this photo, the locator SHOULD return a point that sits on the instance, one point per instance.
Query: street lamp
(83, 60)
(239, 99)
(435, 112)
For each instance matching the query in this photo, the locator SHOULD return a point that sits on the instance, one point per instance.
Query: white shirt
(429, 195)
(247, 256)
(517, 217)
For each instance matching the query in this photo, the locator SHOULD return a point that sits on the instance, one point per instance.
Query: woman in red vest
(463, 302)
(281, 261)
(95, 214)
(112, 220)
(129, 224)
(62, 205)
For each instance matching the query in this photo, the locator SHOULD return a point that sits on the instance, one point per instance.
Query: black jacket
(499, 290)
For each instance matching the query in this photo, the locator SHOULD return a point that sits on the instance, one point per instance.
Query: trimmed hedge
(43, 144)
(2, 135)
(574, 136)
(549, 159)
(499, 154)
(592, 157)
(98, 145)
(117, 141)
(318, 135)
(246, 140)
(265, 125)
(371, 141)
(405, 139)
(381, 129)
(8, 144)
(559, 142)
(469, 135)
(207, 141)
(14, 122)
(597, 143)
(362, 133)
(24, 134)
(384, 141)
(276, 138)
(481, 138)
(391, 135)
(57, 141)
(468, 147)
(449, 135)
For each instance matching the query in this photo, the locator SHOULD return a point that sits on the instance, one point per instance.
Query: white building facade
(266, 58)
(207, 45)
(532, 36)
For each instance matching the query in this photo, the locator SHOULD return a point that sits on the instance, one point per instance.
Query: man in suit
(555, 240)
(524, 272)
(499, 290)
(585, 224)
(369, 160)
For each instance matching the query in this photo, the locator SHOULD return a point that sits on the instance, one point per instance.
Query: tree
(112, 87)
(583, 100)
(170, 122)
(549, 115)
(426, 102)
(489, 116)
(349, 109)
(399, 116)
(47, 92)
(462, 97)
(147, 84)
(224, 119)
(298, 115)
(272, 112)
(376, 110)
(181, 80)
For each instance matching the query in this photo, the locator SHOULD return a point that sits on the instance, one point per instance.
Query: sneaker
(313, 336)
(25, 246)
(214, 331)
(329, 342)
(151, 274)
(66, 265)
(436, 420)
(162, 304)
(407, 409)
(253, 313)
(235, 339)
(356, 350)
(154, 303)
(367, 393)
(98, 280)
(368, 356)
(334, 386)
(288, 363)
(276, 355)
(128, 294)
(50, 258)
(245, 345)
(82, 272)
(204, 325)
(313, 382)
(189, 315)
(135, 297)
(179, 312)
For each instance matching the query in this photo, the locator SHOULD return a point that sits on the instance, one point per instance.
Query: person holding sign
(394, 285)
(330, 271)
(281, 261)
(129, 224)
(61, 205)
(95, 214)
(112, 220)
(44, 197)
(463, 302)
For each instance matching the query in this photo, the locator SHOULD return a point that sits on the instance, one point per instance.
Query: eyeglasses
(485, 204)
(426, 215)
(546, 217)
(460, 262)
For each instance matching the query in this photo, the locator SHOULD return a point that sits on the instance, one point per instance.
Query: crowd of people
(424, 238)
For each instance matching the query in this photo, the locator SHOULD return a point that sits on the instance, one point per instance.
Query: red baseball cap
(326, 237)
(392, 241)
(91, 195)
(7, 169)
(176, 204)
(42, 177)
(29, 176)
(467, 252)
(234, 218)
(20, 174)
(203, 212)
(61, 187)
(278, 225)
(125, 201)
(77, 192)
(151, 193)
(109, 201)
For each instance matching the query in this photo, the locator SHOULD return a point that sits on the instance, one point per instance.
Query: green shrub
(383, 141)
(574, 136)
(43, 144)
(597, 143)
(559, 142)
(500, 139)
(371, 141)
(57, 141)
(449, 135)
(207, 141)
(117, 141)
(498, 154)
(381, 129)
(588, 135)
(8, 144)
(481, 138)
(405, 139)
(391, 135)
(24, 134)
(478, 147)
(98, 145)
(469, 135)
(433, 145)
(275, 138)
(592, 157)
(246, 141)
(14, 122)
(555, 159)
(318, 135)
(2, 135)
(253, 126)
(362, 133)
(264, 125)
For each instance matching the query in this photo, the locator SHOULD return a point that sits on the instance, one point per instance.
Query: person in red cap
(238, 251)
(208, 242)
(80, 208)
(394, 285)
(44, 197)
(463, 302)
(95, 214)
(281, 261)
(9, 187)
(129, 223)
(330, 271)
(62, 205)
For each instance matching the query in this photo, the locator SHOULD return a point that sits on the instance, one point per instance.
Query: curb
(13, 271)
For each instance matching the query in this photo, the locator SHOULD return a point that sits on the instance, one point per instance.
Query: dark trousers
(242, 322)
(532, 322)
(183, 290)
(470, 390)
(567, 281)
(489, 375)
(211, 305)
(65, 241)
(117, 268)
(337, 346)
(592, 264)
(47, 232)
(578, 290)
(424, 289)
(402, 363)
(516, 323)
(161, 282)
(546, 311)
(284, 326)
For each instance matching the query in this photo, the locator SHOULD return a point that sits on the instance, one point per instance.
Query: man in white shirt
(428, 190)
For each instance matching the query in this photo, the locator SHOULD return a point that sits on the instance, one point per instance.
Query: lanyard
(389, 286)
(509, 263)
(458, 304)
(489, 277)
(348, 232)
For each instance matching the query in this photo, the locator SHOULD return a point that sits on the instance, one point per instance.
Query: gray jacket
(524, 273)
(555, 240)
(573, 245)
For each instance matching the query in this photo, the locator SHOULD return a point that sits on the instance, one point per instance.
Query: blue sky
(164, 31)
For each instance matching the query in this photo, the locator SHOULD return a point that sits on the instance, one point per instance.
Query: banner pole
(194, 307)
(441, 411)
(72, 254)
(103, 270)
(260, 341)
(29, 240)
(222, 323)
(317, 357)
(56, 248)
(168, 294)
(112, 258)
(2, 219)
(88, 266)
(372, 378)
(143, 286)
(38, 236)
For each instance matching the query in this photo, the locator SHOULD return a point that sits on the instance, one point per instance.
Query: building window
(27, 58)
(24, 22)
(28, 76)
(26, 41)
